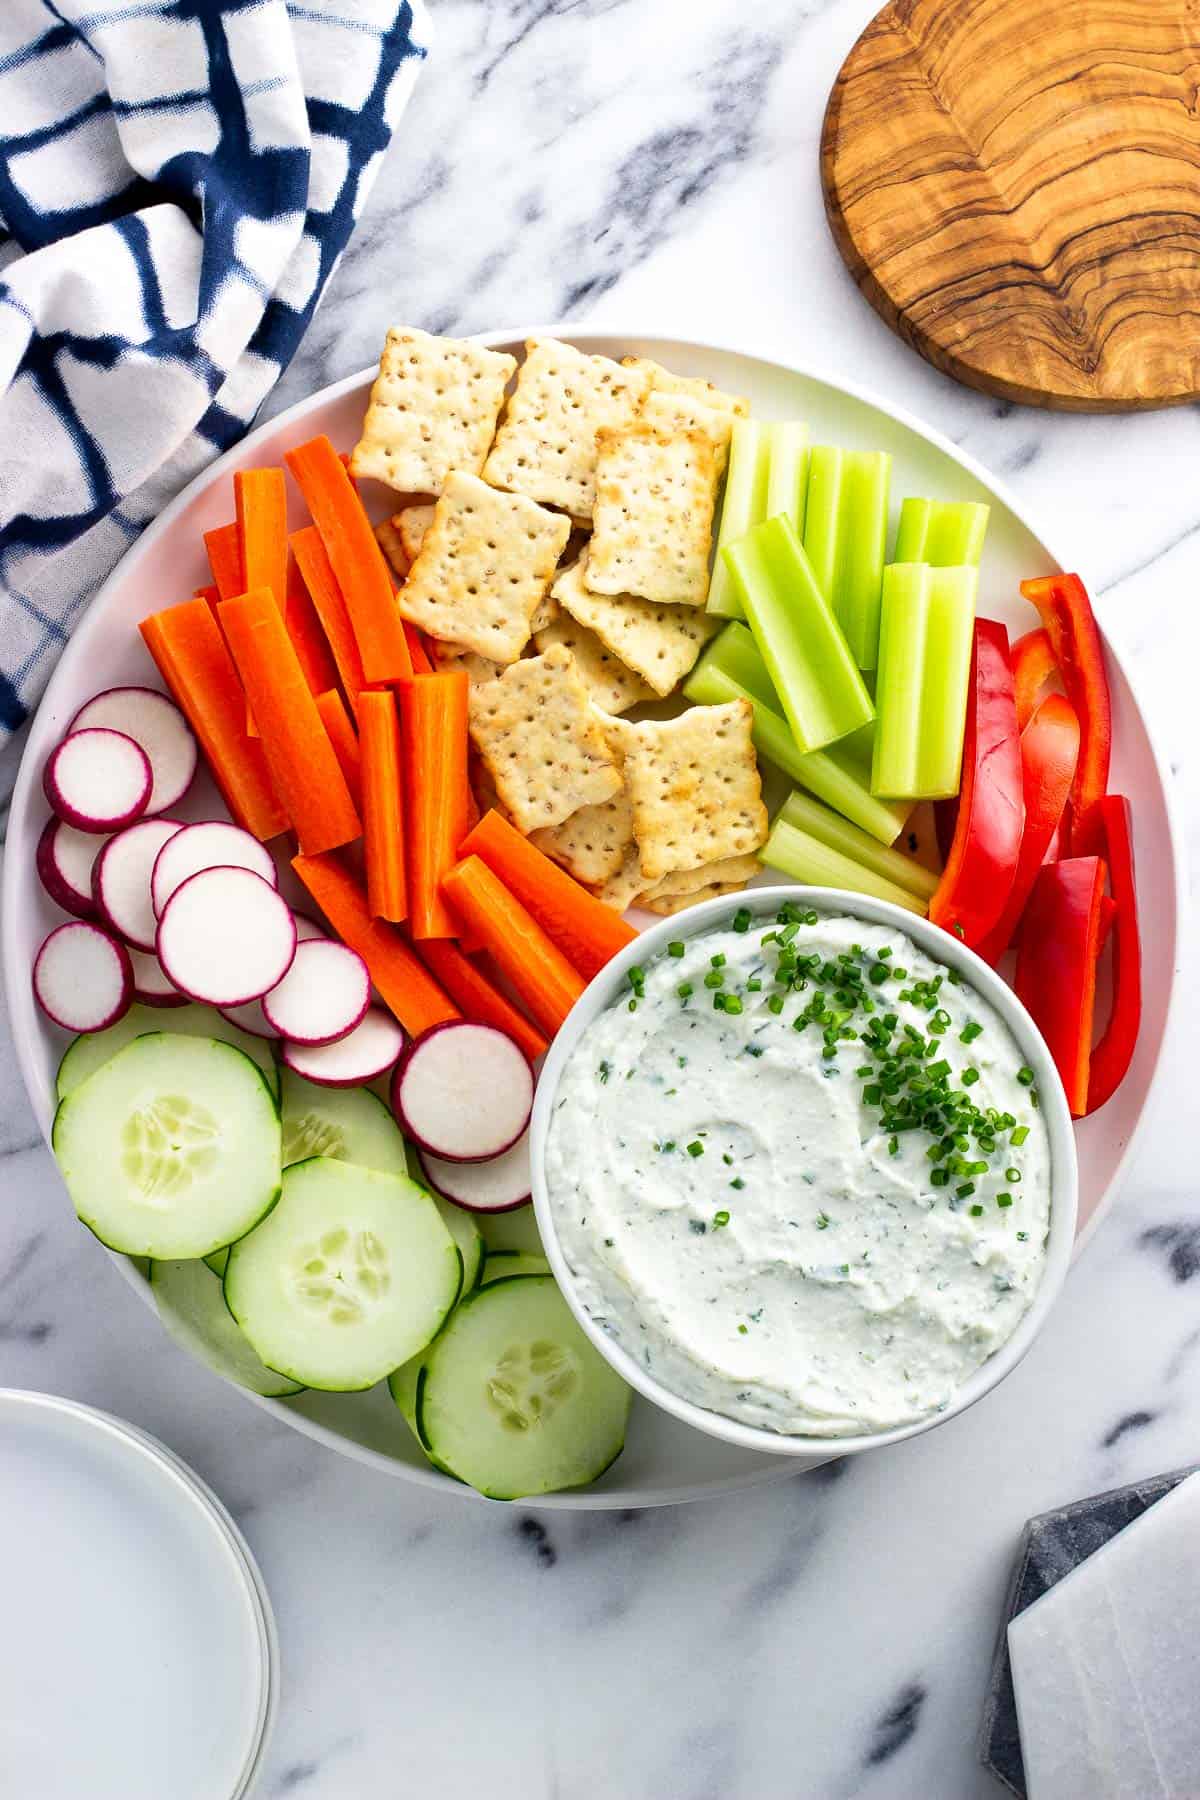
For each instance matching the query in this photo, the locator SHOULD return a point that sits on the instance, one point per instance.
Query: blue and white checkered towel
(177, 181)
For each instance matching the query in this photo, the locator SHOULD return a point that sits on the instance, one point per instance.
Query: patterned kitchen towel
(177, 181)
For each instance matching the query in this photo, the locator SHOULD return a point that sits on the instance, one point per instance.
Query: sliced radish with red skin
(370, 1050)
(324, 994)
(97, 780)
(225, 937)
(251, 1017)
(157, 725)
(121, 879)
(65, 859)
(464, 1091)
(213, 844)
(82, 978)
(150, 985)
(499, 1185)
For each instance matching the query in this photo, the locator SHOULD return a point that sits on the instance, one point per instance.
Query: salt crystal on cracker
(610, 684)
(658, 643)
(695, 787)
(653, 522)
(484, 567)
(433, 408)
(541, 741)
(546, 444)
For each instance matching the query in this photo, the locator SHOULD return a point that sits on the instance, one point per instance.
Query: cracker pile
(552, 537)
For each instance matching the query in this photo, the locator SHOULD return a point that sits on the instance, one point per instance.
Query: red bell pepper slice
(1056, 966)
(1113, 1054)
(1034, 662)
(1049, 751)
(1066, 612)
(983, 857)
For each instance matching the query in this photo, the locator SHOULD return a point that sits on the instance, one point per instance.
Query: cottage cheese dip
(808, 1231)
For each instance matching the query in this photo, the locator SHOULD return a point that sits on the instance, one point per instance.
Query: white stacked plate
(139, 1657)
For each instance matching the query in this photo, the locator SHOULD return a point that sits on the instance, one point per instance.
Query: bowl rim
(944, 948)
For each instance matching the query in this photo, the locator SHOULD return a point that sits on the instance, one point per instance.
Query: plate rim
(590, 338)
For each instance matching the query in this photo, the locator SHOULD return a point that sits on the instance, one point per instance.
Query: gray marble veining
(654, 161)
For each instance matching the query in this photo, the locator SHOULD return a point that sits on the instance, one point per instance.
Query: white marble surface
(654, 162)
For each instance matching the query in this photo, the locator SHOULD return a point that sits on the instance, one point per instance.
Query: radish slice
(369, 1050)
(150, 985)
(97, 780)
(251, 1017)
(158, 727)
(500, 1185)
(323, 996)
(464, 1092)
(121, 879)
(211, 845)
(82, 978)
(225, 937)
(64, 860)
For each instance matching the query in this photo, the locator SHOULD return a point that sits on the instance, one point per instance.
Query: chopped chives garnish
(1013, 1175)
(977, 1212)
(720, 1218)
(1025, 1076)
(775, 1003)
(1018, 1137)
(965, 1191)
(714, 979)
(742, 919)
(737, 1182)
(970, 1032)
(1003, 1199)
(970, 1077)
(695, 1148)
(732, 1004)
(676, 948)
(685, 990)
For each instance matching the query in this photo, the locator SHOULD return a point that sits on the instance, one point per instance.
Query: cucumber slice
(465, 1232)
(511, 1231)
(92, 1051)
(351, 1275)
(502, 1265)
(216, 1261)
(192, 1307)
(404, 1385)
(171, 1149)
(347, 1124)
(515, 1401)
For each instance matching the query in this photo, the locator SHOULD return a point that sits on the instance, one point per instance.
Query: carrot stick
(193, 658)
(330, 607)
(585, 930)
(261, 500)
(403, 982)
(209, 594)
(224, 546)
(537, 968)
(477, 996)
(383, 804)
(304, 769)
(357, 559)
(417, 651)
(304, 629)
(344, 738)
(433, 715)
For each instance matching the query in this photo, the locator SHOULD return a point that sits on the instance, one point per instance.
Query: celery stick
(842, 781)
(744, 506)
(807, 859)
(787, 471)
(904, 624)
(942, 533)
(948, 639)
(807, 656)
(924, 671)
(838, 834)
(845, 535)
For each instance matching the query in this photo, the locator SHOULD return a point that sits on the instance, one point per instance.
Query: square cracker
(695, 787)
(659, 643)
(652, 528)
(541, 741)
(412, 522)
(675, 413)
(484, 567)
(546, 444)
(731, 871)
(670, 904)
(662, 381)
(433, 408)
(609, 682)
(387, 534)
(594, 842)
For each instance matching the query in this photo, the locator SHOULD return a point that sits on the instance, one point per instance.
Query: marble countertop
(655, 162)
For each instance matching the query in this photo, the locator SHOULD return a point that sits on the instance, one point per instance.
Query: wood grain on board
(1015, 186)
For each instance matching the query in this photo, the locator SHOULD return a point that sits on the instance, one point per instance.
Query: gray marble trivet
(1051, 1546)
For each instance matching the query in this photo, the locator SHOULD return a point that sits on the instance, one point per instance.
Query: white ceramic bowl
(611, 983)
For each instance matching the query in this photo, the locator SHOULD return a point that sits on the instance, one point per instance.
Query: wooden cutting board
(1015, 186)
